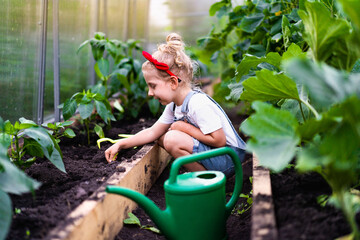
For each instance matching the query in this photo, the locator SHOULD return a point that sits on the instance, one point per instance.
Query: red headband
(159, 65)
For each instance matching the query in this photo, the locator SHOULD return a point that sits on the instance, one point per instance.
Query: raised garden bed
(288, 208)
(61, 193)
(298, 214)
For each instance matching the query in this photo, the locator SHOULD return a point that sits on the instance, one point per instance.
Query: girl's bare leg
(179, 144)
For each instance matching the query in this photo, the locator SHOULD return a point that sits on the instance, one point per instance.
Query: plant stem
(302, 112)
(312, 109)
(87, 122)
(346, 207)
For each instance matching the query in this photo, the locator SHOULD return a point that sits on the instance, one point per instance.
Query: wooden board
(101, 215)
(263, 223)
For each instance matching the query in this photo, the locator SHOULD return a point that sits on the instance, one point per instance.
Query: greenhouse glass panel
(76, 24)
(20, 27)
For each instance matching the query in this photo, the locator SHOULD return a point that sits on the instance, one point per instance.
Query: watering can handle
(208, 154)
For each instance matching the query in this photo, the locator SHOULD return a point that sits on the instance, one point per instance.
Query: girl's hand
(111, 152)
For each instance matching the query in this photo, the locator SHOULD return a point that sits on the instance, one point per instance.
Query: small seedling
(135, 220)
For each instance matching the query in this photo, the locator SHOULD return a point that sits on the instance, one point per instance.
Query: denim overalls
(220, 163)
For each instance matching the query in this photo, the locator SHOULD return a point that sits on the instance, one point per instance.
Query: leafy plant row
(297, 62)
(119, 80)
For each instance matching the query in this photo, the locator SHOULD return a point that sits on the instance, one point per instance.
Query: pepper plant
(26, 138)
(120, 74)
(89, 105)
(12, 180)
(59, 130)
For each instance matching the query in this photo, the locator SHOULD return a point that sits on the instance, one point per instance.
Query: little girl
(192, 121)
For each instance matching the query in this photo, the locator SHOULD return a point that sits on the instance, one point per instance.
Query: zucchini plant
(307, 107)
(255, 29)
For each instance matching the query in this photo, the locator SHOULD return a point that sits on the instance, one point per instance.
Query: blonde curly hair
(173, 54)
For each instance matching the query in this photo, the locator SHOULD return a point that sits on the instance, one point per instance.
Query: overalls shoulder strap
(241, 142)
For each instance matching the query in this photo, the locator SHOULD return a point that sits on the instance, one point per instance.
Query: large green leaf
(267, 86)
(322, 30)
(13, 180)
(326, 85)
(273, 135)
(250, 23)
(250, 62)
(5, 214)
(85, 110)
(352, 9)
(69, 108)
(48, 145)
(104, 112)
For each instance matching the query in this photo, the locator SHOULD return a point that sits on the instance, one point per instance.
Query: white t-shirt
(205, 114)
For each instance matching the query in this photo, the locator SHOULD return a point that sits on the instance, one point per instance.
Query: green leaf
(69, 133)
(5, 214)
(250, 23)
(293, 51)
(325, 84)
(267, 86)
(99, 131)
(82, 45)
(118, 106)
(13, 180)
(33, 148)
(132, 220)
(351, 9)
(49, 146)
(69, 108)
(210, 44)
(250, 62)
(216, 7)
(85, 110)
(322, 30)
(104, 112)
(273, 135)
(102, 68)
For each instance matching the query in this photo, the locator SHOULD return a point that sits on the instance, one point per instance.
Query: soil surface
(60, 192)
(298, 214)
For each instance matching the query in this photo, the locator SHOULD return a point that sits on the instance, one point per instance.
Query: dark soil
(60, 192)
(298, 215)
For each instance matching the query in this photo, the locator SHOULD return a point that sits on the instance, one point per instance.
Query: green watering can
(196, 205)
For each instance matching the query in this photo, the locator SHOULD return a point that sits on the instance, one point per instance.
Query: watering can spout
(160, 218)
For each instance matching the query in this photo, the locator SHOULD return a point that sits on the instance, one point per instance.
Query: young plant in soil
(12, 179)
(36, 142)
(86, 102)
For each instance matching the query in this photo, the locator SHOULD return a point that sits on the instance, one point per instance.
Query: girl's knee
(174, 140)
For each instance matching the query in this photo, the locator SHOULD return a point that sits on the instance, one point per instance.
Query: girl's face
(160, 89)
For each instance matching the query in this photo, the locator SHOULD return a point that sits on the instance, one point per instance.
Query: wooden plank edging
(263, 222)
(101, 215)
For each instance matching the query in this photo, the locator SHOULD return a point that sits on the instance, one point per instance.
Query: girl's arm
(214, 139)
(143, 137)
